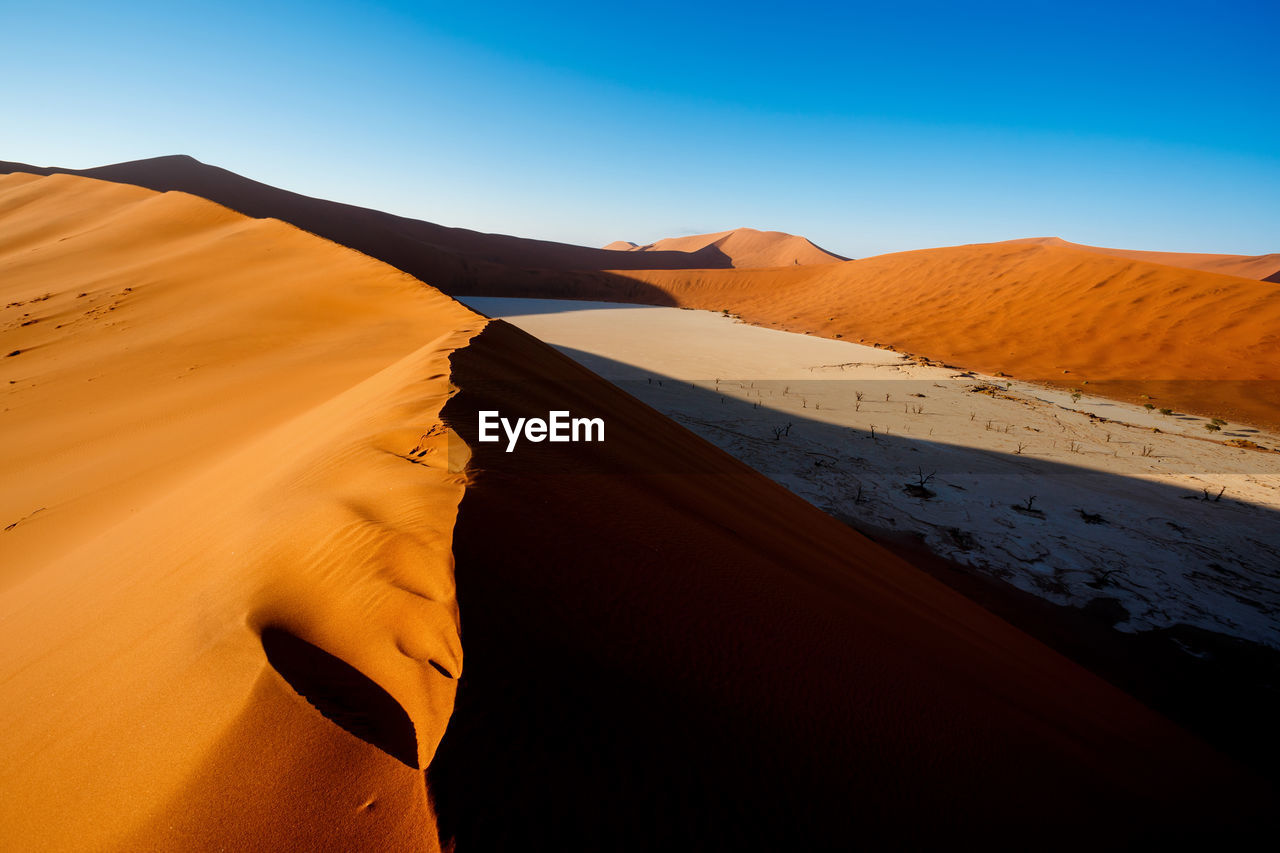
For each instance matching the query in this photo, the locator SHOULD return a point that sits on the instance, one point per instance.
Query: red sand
(744, 247)
(1261, 267)
(1193, 341)
(206, 430)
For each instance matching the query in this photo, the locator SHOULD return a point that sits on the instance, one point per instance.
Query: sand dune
(228, 614)
(744, 247)
(1192, 340)
(441, 255)
(1114, 547)
(207, 427)
(1261, 267)
(989, 449)
(1195, 341)
(674, 647)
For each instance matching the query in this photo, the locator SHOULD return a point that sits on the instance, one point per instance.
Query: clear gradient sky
(868, 127)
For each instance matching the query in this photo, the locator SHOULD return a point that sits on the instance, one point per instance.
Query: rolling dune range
(745, 247)
(447, 257)
(1262, 267)
(243, 472)
(1191, 340)
(1173, 326)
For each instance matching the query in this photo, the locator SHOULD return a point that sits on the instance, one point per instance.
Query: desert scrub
(920, 489)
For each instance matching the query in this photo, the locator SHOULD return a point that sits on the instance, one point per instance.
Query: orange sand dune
(1261, 267)
(206, 431)
(1194, 341)
(745, 248)
(228, 615)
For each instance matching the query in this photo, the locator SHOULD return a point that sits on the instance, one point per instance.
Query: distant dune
(235, 506)
(744, 247)
(1261, 267)
(1191, 340)
(437, 254)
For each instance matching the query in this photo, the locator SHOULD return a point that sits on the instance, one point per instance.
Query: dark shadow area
(509, 307)
(1223, 688)
(666, 650)
(343, 694)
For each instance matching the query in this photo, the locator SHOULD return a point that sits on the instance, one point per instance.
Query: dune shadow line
(455, 260)
(343, 694)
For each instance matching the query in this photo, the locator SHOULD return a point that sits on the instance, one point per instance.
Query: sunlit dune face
(228, 560)
(1043, 312)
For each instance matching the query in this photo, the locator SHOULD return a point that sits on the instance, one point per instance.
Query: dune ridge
(1261, 267)
(710, 662)
(1191, 340)
(744, 247)
(439, 254)
(216, 427)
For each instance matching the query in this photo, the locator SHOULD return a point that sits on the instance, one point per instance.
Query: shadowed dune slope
(1195, 341)
(745, 248)
(445, 257)
(1261, 267)
(665, 650)
(206, 435)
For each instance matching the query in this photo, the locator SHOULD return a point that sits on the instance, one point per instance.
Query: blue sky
(869, 127)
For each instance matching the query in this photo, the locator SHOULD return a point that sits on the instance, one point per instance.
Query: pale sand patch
(1118, 511)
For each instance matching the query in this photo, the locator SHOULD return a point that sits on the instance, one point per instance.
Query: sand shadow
(506, 307)
(1224, 688)
(343, 694)
(657, 659)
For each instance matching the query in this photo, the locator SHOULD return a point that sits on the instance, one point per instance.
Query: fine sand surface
(1110, 519)
(745, 247)
(244, 481)
(207, 425)
(1261, 267)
